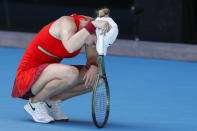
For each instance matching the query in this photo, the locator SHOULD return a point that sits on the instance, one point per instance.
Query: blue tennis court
(146, 95)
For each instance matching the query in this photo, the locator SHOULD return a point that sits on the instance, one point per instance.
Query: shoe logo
(32, 107)
(48, 105)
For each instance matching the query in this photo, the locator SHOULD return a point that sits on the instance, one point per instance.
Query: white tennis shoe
(38, 111)
(55, 110)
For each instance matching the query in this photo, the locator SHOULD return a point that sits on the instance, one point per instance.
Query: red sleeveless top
(42, 51)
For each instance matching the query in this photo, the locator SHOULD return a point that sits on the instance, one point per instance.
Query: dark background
(149, 20)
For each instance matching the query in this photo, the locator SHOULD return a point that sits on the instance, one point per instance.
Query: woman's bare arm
(90, 49)
(72, 41)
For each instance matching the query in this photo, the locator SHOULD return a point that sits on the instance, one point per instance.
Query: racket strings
(100, 104)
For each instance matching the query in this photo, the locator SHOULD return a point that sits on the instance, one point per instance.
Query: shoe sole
(65, 120)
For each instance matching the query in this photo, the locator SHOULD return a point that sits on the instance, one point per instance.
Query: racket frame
(101, 67)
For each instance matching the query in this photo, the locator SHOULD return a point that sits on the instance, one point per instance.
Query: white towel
(104, 41)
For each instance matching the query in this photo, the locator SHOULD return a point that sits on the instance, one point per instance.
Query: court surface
(146, 95)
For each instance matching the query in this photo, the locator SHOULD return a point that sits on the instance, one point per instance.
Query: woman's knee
(71, 75)
(60, 71)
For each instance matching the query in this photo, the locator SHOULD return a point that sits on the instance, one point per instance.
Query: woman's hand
(103, 25)
(90, 76)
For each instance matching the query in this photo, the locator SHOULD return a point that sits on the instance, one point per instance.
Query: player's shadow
(89, 124)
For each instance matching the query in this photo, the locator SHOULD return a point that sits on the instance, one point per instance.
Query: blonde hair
(104, 12)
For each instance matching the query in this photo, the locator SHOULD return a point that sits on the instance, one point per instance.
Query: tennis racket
(100, 96)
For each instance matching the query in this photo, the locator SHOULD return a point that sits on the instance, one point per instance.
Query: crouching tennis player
(45, 82)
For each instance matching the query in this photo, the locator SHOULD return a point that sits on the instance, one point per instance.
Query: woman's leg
(77, 89)
(54, 79)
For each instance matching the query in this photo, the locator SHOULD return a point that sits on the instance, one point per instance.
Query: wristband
(92, 63)
(90, 27)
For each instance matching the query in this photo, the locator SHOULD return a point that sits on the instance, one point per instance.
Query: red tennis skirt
(25, 79)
